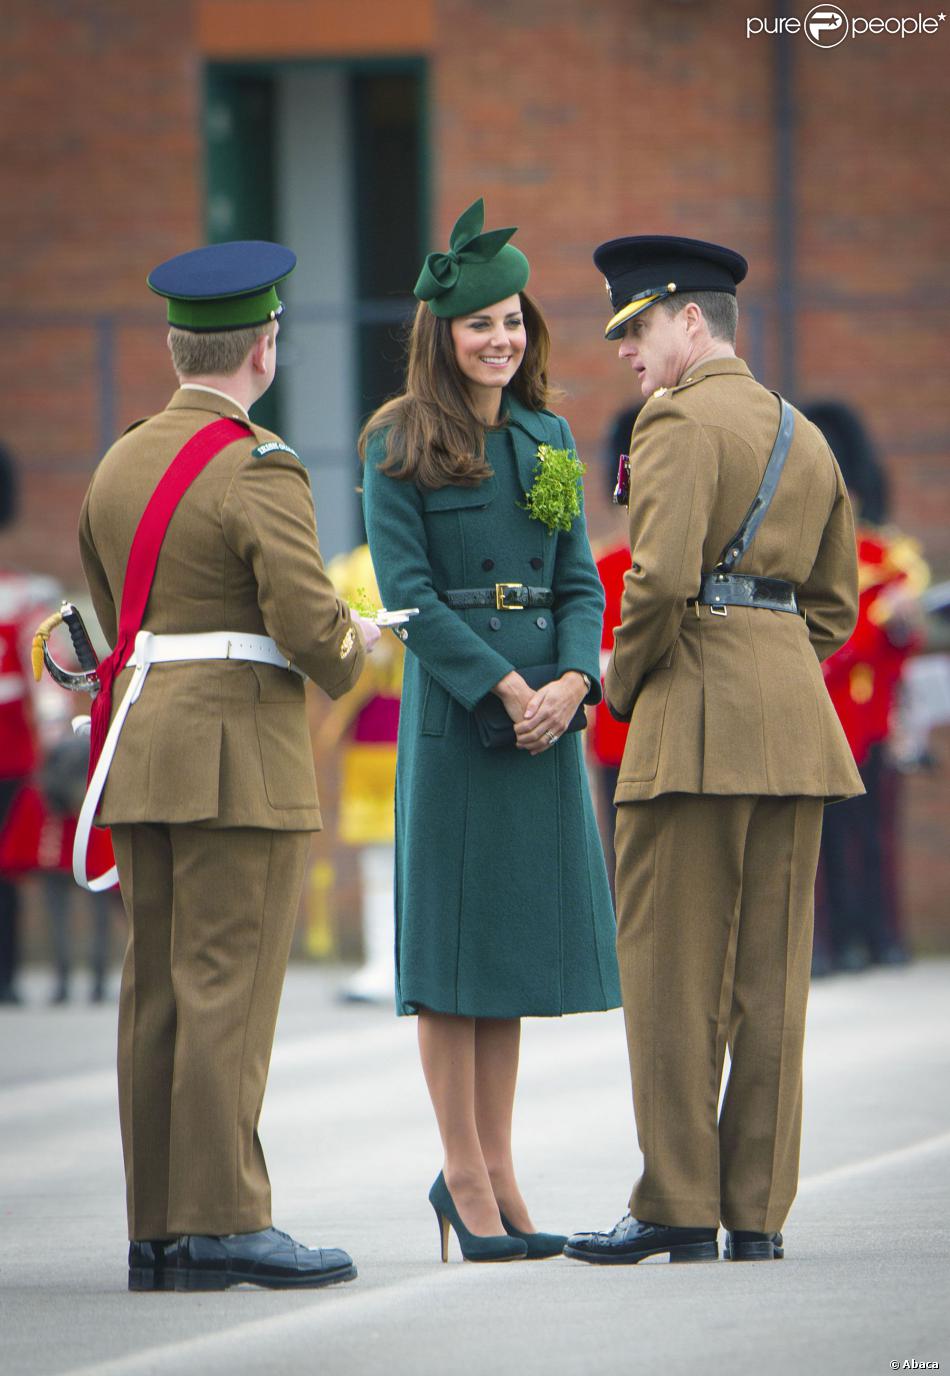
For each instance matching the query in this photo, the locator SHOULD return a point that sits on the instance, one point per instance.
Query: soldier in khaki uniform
(211, 796)
(733, 749)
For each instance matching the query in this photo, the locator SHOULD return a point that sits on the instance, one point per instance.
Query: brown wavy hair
(435, 437)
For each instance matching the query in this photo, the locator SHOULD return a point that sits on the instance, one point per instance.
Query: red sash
(190, 460)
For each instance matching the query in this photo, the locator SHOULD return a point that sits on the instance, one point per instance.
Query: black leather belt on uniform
(721, 590)
(503, 597)
(724, 587)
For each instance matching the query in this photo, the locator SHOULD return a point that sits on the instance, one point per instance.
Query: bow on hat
(467, 244)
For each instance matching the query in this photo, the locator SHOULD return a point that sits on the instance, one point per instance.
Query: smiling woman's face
(490, 344)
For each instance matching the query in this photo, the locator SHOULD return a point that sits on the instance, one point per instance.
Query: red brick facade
(578, 121)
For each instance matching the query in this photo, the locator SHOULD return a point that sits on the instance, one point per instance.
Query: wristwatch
(586, 678)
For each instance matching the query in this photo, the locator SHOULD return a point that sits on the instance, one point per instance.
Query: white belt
(156, 649)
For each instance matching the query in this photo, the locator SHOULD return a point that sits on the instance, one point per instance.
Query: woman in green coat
(503, 908)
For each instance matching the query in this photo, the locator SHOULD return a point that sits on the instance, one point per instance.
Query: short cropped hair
(720, 311)
(215, 352)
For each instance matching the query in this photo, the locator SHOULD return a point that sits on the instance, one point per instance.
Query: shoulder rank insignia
(660, 392)
(348, 641)
(273, 447)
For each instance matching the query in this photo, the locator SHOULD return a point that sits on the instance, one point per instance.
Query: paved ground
(352, 1151)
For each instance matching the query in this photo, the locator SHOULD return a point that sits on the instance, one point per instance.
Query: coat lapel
(529, 429)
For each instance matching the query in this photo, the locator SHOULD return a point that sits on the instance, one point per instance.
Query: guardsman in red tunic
(24, 599)
(858, 875)
(607, 737)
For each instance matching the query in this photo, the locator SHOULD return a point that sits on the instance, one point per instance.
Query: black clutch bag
(495, 727)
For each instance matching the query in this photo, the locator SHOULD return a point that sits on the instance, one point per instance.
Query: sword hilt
(88, 659)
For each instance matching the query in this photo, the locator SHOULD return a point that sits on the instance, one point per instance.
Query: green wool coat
(502, 903)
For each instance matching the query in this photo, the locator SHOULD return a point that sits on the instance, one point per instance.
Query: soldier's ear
(259, 348)
(693, 317)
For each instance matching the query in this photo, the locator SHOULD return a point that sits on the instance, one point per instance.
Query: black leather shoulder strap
(762, 500)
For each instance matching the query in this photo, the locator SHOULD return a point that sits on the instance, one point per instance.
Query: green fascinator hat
(478, 269)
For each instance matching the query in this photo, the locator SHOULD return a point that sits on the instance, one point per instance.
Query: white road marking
(380, 1300)
(900, 1156)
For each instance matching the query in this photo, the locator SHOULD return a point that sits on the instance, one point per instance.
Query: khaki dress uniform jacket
(734, 703)
(733, 748)
(211, 797)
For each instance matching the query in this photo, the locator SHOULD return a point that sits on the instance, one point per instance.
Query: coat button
(495, 623)
(488, 564)
(537, 563)
(542, 622)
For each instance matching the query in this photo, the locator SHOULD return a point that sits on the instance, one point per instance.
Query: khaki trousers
(211, 918)
(715, 902)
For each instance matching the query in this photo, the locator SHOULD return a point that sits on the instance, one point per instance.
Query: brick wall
(581, 122)
(100, 177)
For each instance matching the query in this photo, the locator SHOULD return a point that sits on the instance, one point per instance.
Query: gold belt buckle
(501, 604)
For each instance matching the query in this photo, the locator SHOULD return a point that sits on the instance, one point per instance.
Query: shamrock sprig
(555, 495)
(362, 603)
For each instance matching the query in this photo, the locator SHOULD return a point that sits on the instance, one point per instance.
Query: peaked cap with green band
(478, 269)
(230, 286)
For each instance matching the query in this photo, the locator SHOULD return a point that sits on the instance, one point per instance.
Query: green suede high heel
(474, 1247)
(539, 1245)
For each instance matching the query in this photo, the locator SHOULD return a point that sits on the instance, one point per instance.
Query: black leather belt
(721, 590)
(503, 597)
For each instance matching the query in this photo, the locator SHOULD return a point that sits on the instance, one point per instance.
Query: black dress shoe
(270, 1258)
(746, 1246)
(152, 1264)
(630, 1241)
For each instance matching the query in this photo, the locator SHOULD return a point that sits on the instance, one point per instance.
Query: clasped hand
(541, 715)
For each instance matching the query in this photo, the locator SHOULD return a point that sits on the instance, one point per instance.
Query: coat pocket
(452, 498)
(641, 756)
(435, 708)
(167, 766)
(286, 755)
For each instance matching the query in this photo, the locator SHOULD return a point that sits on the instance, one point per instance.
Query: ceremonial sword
(85, 681)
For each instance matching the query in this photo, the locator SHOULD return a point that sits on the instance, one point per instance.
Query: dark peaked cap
(646, 268)
(229, 286)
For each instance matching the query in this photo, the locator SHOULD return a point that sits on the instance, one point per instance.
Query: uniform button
(488, 564)
(495, 623)
(537, 563)
(542, 622)
(635, 567)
